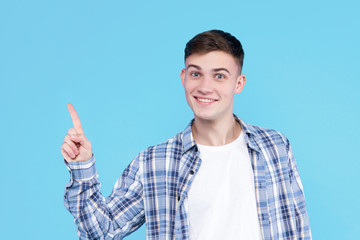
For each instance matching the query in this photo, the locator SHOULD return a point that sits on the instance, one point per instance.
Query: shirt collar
(249, 133)
(188, 140)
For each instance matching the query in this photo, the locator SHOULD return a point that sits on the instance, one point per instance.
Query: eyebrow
(214, 70)
(194, 66)
(221, 69)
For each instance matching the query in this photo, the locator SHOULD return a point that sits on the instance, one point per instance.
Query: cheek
(228, 91)
(189, 86)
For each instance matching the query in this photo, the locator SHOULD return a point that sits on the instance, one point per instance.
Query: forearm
(95, 216)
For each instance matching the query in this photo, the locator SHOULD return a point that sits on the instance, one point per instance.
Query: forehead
(212, 60)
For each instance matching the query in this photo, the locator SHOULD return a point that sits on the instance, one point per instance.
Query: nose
(205, 85)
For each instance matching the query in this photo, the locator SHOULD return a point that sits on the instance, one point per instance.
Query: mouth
(205, 100)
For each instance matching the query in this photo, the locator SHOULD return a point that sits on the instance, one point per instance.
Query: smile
(205, 100)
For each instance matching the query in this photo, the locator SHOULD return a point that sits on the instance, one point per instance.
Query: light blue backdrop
(119, 62)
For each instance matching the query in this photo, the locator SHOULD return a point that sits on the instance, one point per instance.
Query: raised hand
(76, 147)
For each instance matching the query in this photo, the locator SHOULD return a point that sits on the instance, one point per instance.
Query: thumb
(82, 140)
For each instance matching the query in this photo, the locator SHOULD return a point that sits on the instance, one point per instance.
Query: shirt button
(192, 172)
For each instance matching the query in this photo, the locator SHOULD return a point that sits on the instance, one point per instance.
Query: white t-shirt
(221, 200)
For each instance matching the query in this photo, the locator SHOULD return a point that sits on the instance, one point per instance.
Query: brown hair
(215, 40)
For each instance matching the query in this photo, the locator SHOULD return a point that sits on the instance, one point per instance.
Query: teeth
(205, 100)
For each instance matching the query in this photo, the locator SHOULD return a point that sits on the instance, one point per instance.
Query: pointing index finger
(75, 118)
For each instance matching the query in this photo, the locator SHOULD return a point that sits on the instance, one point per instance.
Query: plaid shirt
(154, 187)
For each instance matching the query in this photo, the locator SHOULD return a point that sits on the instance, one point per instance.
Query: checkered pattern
(154, 187)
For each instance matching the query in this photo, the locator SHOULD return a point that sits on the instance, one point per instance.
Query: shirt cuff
(82, 171)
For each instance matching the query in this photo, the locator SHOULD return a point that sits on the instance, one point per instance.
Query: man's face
(210, 81)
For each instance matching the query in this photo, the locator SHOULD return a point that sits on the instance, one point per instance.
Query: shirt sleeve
(302, 219)
(98, 217)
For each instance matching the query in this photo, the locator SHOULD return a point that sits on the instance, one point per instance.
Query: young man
(218, 179)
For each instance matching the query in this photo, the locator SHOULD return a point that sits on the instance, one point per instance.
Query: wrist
(82, 170)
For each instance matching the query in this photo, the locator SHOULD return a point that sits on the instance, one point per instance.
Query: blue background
(119, 63)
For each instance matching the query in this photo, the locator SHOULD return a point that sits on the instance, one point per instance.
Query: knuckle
(71, 131)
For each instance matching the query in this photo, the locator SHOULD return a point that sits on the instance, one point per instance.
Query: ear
(240, 83)
(182, 76)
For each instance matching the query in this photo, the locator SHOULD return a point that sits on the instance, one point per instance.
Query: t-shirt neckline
(238, 140)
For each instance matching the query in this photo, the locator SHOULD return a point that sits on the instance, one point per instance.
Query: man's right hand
(76, 147)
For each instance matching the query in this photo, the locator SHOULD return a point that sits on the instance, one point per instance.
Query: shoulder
(261, 135)
(273, 146)
(171, 145)
(267, 136)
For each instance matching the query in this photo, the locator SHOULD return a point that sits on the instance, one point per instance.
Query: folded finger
(71, 144)
(72, 132)
(68, 150)
(65, 155)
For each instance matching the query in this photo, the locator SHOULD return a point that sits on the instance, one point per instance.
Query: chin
(205, 117)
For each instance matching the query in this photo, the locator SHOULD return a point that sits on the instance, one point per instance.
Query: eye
(195, 74)
(219, 76)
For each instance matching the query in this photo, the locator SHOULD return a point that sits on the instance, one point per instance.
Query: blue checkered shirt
(154, 187)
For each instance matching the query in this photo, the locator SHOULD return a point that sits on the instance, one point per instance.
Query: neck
(215, 132)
